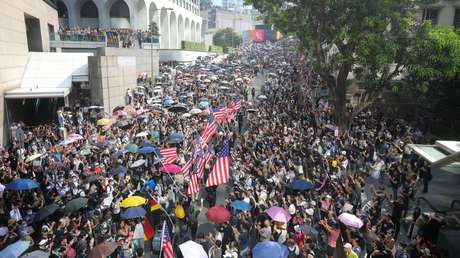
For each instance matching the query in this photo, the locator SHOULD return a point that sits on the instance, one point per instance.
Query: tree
(205, 4)
(153, 29)
(366, 39)
(227, 38)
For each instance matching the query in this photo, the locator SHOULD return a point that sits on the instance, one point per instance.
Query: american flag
(166, 244)
(209, 130)
(219, 113)
(196, 150)
(237, 104)
(168, 155)
(202, 163)
(221, 170)
(193, 185)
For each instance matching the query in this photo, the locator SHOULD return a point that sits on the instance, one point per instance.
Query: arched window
(119, 10)
(89, 10)
(62, 10)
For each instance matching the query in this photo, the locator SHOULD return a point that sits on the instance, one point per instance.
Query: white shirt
(15, 214)
(138, 231)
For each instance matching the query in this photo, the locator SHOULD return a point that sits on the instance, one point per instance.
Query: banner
(259, 35)
(251, 34)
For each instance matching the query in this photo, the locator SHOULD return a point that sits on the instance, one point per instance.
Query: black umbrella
(178, 109)
(46, 211)
(309, 231)
(119, 170)
(91, 178)
(205, 228)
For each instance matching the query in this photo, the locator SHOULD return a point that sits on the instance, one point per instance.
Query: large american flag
(168, 155)
(193, 185)
(219, 113)
(166, 243)
(209, 130)
(237, 104)
(221, 170)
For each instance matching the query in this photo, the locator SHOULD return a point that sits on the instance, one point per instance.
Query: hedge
(216, 49)
(194, 46)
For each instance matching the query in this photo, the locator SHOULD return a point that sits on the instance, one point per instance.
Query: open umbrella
(75, 205)
(309, 231)
(192, 249)
(178, 109)
(218, 214)
(131, 148)
(176, 137)
(171, 168)
(103, 250)
(195, 111)
(146, 150)
(133, 212)
(85, 152)
(21, 184)
(142, 134)
(76, 137)
(350, 220)
(103, 122)
(278, 214)
(186, 115)
(132, 201)
(262, 97)
(36, 254)
(91, 178)
(269, 249)
(301, 185)
(138, 163)
(46, 211)
(15, 249)
(203, 104)
(67, 141)
(251, 110)
(119, 171)
(241, 205)
(33, 157)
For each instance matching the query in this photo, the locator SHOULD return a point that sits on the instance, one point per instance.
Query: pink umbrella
(76, 137)
(119, 113)
(350, 220)
(278, 214)
(171, 168)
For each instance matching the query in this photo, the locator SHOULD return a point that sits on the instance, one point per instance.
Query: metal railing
(443, 212)
(73, 36)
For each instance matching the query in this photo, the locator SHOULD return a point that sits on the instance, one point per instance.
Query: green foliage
(193, 46)
(216, 49)
(153, 29)
(205, 4)
(227, 38)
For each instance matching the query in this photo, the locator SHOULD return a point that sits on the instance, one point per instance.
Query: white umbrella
(76, 137)
(138, 163)
(238, 80)
(186, 115)
(36, 254)
(192, 249)
(214, 78)
(262, 97)
(142, 134)
(34, 157)
(195, 111)
(14, 250)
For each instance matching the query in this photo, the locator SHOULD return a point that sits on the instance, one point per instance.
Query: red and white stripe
(208, 132)
(166, 243)
(220, 173)
(193, 185)
(169, 155)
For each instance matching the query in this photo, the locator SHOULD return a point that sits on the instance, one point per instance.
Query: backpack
(292, 253)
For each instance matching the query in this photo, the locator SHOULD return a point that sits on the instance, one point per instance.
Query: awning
(22, 93)
(440, 154)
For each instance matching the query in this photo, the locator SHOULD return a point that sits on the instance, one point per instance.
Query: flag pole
(161, 239)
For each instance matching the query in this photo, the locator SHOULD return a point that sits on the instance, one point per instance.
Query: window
(457, 19)
(432, 15)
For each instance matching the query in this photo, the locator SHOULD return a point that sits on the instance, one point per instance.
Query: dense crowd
(335, 193)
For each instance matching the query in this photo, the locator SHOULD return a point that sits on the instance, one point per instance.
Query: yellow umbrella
(33, 157)
(132, 201)
(103, 121)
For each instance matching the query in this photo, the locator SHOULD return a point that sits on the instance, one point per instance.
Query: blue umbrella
(145, 150)
(119, 171)
(203, 104)
(21, 184)
(134, 212)
(168, 102)
(176, 137)
(241, 205)
(15, 250)
(301, 185)
(270, 249)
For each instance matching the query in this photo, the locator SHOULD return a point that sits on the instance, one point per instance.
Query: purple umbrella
(350, 220)
(278, 214)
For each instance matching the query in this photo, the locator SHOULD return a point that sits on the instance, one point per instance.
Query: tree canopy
(227, 38)
(205, 4)
(366, 39)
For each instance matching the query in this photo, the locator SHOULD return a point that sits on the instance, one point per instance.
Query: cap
(347, 245)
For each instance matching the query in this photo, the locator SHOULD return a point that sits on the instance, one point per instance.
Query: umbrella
(168, 102)
(103, 250)
(263, 97)
(218, 214)
(91, 178)
(115, 109)
(278, 214)
(350, 220)
(195, 111)
(145, 150)
(76, 137)
(134, 212)
(133, 201)
(119, 170)
(67, 141)
(171, 168)
(186, 115)
(309, 231)
(85, 152)
(131, 148)
(138, 163)
(241, 205)
(33, 157)
(15, 250)
(224, 88)
(269, 249)
(191, 249)
(301, 185)
(46, 211)
(119, 113)
(176, 137)
(251, 110)
(123, 123)
(142, 134)
(75, 205)
(103, 122)
(21, 184)
(178, 109)
(36, 254)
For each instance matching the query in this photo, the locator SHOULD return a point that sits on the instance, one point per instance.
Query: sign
(259, 35)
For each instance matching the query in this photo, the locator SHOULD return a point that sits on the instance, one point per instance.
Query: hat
(347, 245)
(328, 196)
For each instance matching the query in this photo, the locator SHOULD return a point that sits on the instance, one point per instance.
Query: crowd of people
(115, 37)
(341, 194)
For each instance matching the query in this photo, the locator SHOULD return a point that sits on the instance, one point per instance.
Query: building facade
(443, 13)
(177, 20)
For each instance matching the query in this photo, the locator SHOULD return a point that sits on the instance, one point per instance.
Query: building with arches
(177, 20)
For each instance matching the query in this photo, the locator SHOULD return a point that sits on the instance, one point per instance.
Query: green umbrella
(46, 211)
(75, 205)
(131, 148)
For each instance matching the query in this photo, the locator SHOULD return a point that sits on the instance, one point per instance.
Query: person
(333, 233)
(216, 250)
(348, 249)
(293, 249)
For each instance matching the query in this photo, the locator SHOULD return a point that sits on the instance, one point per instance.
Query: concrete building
(444, 12)
(177, 20)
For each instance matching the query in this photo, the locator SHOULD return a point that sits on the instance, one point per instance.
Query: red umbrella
(171, 168)
(218, 214)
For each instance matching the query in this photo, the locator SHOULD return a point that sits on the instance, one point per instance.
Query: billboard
(259, 35)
